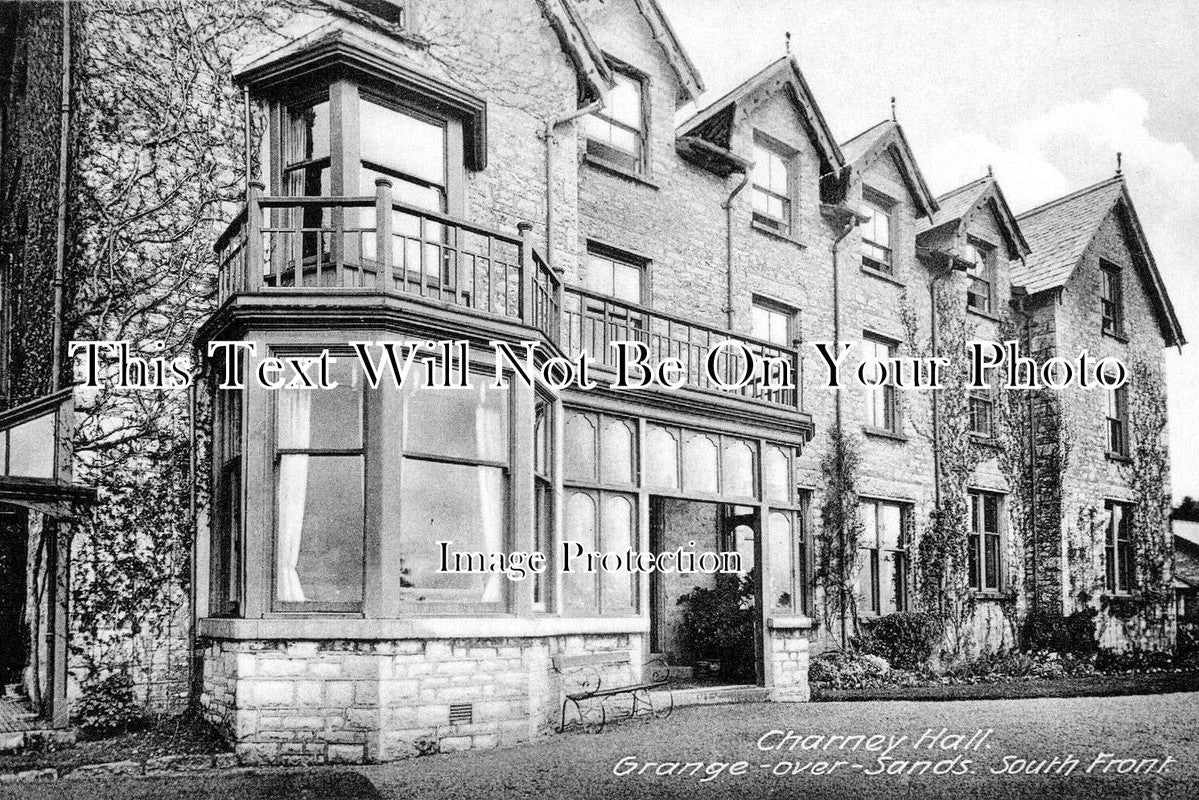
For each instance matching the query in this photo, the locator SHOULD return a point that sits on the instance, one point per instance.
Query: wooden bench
(585, 674)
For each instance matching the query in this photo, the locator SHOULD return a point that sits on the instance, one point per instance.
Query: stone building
(557, 171)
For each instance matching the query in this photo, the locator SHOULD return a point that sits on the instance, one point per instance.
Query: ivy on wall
(837, 537)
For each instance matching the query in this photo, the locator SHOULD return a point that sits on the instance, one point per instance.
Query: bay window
(454, 475)
(319, 466)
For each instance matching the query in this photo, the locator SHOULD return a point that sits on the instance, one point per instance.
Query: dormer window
(616, 133)
(876, 232)
(981, 270)
(773, 186)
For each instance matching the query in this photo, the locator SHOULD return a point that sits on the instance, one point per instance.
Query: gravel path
(1153, 738)
(578, 766)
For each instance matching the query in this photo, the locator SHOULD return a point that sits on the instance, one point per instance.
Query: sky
(1044, 92)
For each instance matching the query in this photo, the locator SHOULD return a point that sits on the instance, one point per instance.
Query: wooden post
(58, 578)
(384, 242)
(525, 229)
(254, 266)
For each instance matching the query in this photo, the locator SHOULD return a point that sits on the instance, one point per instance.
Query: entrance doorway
(706, 626)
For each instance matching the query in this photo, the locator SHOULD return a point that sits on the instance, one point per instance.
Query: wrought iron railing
(592, 322)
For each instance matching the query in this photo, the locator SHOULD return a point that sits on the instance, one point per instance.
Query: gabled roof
(1060, 231)
(566, 22)
(684, 70)
(887, 137)
(955, 206)
(713, 118)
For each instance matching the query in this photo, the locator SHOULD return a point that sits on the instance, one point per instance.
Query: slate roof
(888, 134)
(712, 116)
(956, 203)
(1059, 231)
(859, 145)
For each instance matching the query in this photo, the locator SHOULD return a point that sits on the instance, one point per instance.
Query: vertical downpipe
(60, 254)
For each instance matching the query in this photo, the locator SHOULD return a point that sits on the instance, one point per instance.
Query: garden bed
(1075, 686)
(176, 736)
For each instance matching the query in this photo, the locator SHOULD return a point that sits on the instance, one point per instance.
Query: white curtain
(489, 438)
(294, 413)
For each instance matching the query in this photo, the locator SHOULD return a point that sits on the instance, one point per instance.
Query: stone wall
(786, 654)
(301, 702)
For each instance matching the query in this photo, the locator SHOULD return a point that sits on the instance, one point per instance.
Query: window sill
(783, 237)
(1119, 336)
(883, 276)
(991, 594)
(987, 315)
(618, 171)
(984, 441)
(883, 433)
(1119, 458)
(478, 627)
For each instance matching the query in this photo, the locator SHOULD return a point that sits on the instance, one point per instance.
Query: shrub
(1188, 638)
(906, 640)
(1073, 634)
(108, 706)
(843, 669)
(1134, 659)
(718, 623)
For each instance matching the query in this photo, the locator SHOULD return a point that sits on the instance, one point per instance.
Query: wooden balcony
(376, 244)
(286, 244)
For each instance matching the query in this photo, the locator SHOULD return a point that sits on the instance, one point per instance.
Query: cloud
(1073, 145)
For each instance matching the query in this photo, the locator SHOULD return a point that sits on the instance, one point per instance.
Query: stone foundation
(301, 702)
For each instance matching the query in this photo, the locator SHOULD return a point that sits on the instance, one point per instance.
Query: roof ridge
(1071, 196)
(860, 134)
(964, 187)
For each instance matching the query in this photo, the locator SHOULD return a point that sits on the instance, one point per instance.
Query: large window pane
(700, 463)
(323, 418)
(468, 423)
(579, 443)
(402, 142)
(31, 447)
(738, 469)
(618, 525)
(782, 562)
(616, 452)
(777, 476)
(661, 458)
(579, 522)
(320, 544)
(458, 503)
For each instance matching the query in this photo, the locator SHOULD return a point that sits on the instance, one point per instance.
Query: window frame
(879, 202)
(1118, 428)
(786, 225)
(872, 570)
(1119, 552)
(984, 398)
(985, 264)
(362, 452)
(1111, 299)
(893, 424)
(640, 159)
(789, 313)
(978, 540)
(345, 159)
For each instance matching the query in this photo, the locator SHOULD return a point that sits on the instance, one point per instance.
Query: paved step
(715, 695)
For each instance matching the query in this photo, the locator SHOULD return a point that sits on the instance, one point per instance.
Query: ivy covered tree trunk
(840, 530)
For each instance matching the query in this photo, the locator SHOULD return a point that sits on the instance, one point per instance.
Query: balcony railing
(307, 244)
(593, 321)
